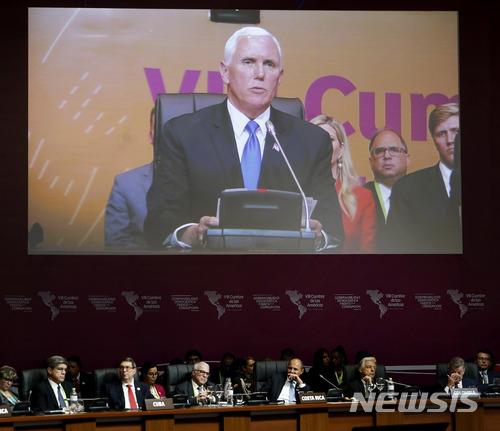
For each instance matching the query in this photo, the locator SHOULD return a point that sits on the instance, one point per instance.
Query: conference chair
(351, 373)
(175, 374)
(170, 105)
(471, 371)
(29, 379)
(102, 376)
(265, 369)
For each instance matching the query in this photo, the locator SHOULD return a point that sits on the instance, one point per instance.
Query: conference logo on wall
(58, 304)
(142, 304)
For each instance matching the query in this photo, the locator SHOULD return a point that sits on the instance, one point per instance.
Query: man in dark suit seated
(285, 386)
(52, 393)
(485, 361)
(227, 146)
(196, 387)
(455, 377)
(127, 393)
(365, 383)
(81, 381)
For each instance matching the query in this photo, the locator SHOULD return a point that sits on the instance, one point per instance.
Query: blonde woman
(358, 206)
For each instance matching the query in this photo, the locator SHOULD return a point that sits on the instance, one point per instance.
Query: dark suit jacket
(43, 397)
(87, 384)
(126, 208)
(198, 159)
(467, 382)
(355, 387)
(492, 374)
(114, 392)
(379, 214)
(419, 219)
(275, 383)
(186, 388)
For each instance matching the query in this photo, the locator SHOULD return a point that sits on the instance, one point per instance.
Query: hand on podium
(194, 235)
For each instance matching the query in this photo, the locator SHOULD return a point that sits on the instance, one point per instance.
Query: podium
(260, 220)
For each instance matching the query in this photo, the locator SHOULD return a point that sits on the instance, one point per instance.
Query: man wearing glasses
(127, 393)
(196, 387)
(389, 160)
(485, 361)
(422, 218)
(52, 393)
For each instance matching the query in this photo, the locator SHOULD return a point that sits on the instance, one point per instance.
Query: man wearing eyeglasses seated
(127, 394)
(425, 215)
(52, 393)
(389, 161)
(196, 387)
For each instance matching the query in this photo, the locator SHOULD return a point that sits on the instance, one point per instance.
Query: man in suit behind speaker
(389, 161)
(421, 219)
(204, 153)
(126, 206)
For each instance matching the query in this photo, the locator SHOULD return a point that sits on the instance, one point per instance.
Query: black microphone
(272, 131)
(328, 381)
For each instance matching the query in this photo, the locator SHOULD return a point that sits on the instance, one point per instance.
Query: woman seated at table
(149, 375)
(8, 395)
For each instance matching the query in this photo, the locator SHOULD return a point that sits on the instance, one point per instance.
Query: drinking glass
(380, 382)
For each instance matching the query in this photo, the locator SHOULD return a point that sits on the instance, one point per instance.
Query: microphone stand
(330, 383)
(272, 131)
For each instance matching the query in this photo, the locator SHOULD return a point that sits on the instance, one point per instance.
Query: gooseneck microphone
(328, 381)
(272, 131)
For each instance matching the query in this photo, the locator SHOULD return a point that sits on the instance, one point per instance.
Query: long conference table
(303, 417)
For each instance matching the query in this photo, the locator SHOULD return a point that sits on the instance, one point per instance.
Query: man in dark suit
(127, 393)
(81, 381)
(485, 361)
(204, 153)
(285, 386)
(126, 207)
(455, 377)
(389, 161)
(420, 218)
(365, 383)
(196, 387)
(54, 392)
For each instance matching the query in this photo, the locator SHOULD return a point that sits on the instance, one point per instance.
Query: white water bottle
(390, 388)
(73, 400)
(230, 392)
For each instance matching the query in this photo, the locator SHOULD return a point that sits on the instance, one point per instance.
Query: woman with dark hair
(338, 358)
(8, 395)
(149, 375)
(320, 375)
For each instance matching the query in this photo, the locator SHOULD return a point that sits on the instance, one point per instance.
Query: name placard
(5, 411)
(312, 398)
(464, 393)
(159, 404)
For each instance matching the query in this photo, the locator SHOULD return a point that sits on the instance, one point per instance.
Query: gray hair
(231, 43)
(54, 361)
(195, 366)
(368, 358)
(456, 362)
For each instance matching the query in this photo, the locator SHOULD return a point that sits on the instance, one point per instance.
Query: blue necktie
(292, 391)
(62, 401)
(250, 160)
